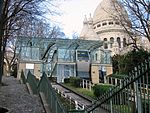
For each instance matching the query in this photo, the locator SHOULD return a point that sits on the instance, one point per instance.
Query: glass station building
(62, 58)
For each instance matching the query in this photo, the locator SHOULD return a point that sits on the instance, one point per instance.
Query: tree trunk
(1, 42)
(1, 56)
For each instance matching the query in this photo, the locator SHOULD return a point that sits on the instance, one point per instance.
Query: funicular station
(86, 59)
(63, 58)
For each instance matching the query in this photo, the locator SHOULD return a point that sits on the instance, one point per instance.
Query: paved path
(15, 97)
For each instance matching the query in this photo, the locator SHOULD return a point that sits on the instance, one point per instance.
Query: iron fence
(45, 87)
(131, 96)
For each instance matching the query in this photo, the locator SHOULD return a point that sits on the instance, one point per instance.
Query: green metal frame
(51, 97)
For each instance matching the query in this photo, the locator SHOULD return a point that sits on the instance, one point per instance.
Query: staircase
(131, 96)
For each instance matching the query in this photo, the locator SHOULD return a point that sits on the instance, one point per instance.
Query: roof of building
(109, 9)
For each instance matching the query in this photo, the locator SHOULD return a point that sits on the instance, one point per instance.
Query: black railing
(131, 96)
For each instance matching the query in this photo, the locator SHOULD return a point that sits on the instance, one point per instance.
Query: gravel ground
(15, 97)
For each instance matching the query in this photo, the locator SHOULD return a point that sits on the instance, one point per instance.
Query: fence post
(111, 109)
(86, 84)
(137, 95)
(83, 83)
(76, 105)
(90, 85)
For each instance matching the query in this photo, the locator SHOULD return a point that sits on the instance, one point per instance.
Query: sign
(29, 66)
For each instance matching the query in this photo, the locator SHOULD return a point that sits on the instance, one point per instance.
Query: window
(119, 42)
(105, 39)
(111, 41)
(110, 23)
(104, 24)
(117, 23)
(96, 56)
(99, 25)
(105, 43)
(124, 42)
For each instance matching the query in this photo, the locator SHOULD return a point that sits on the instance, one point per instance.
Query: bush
(74, 81)
(67, 80)
(100, 89)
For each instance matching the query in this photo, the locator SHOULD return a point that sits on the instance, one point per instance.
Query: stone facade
(34, 68)
(106, 25)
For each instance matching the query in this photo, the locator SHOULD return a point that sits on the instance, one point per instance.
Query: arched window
(119, 42)
(105, 39)
(110, 23)
(96, 56)
(105, 43)
(111, 41)
(117, 23)
(124, 42)
(99, 25)
(103, 24)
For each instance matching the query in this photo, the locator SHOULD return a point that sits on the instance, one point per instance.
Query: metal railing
(131, 96)
(44, 88)
(86, 84)
(31, 79)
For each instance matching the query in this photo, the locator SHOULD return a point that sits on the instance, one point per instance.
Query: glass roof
(45, 43)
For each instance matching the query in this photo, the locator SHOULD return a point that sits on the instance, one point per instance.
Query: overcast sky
(73, 12)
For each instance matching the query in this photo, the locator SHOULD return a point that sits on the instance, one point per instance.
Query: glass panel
(35, 53)
(106, 58)
(82, 55)
(66, 55)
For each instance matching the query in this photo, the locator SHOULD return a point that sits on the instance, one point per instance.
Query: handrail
(45, 87)
(31, 79)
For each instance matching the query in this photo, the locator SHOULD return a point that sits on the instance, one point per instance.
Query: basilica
(109, 24)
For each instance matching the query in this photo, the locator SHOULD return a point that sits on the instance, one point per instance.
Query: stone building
(107, 25)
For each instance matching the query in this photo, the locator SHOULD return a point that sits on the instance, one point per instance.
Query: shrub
(67, 80)
(74, 81)
(100, 89)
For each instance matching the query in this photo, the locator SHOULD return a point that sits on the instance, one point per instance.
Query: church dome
(109, 10)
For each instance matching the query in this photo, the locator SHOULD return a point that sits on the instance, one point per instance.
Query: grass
(85, 92)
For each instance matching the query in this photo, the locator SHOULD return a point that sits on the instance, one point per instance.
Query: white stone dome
(106, 11)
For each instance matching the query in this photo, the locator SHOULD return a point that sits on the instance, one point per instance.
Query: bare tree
(139, 17)
(12, 15)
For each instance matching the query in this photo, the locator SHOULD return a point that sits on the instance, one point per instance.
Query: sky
(73, 13)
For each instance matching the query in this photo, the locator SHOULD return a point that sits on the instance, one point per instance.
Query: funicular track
(82, 101)
(79, 99)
